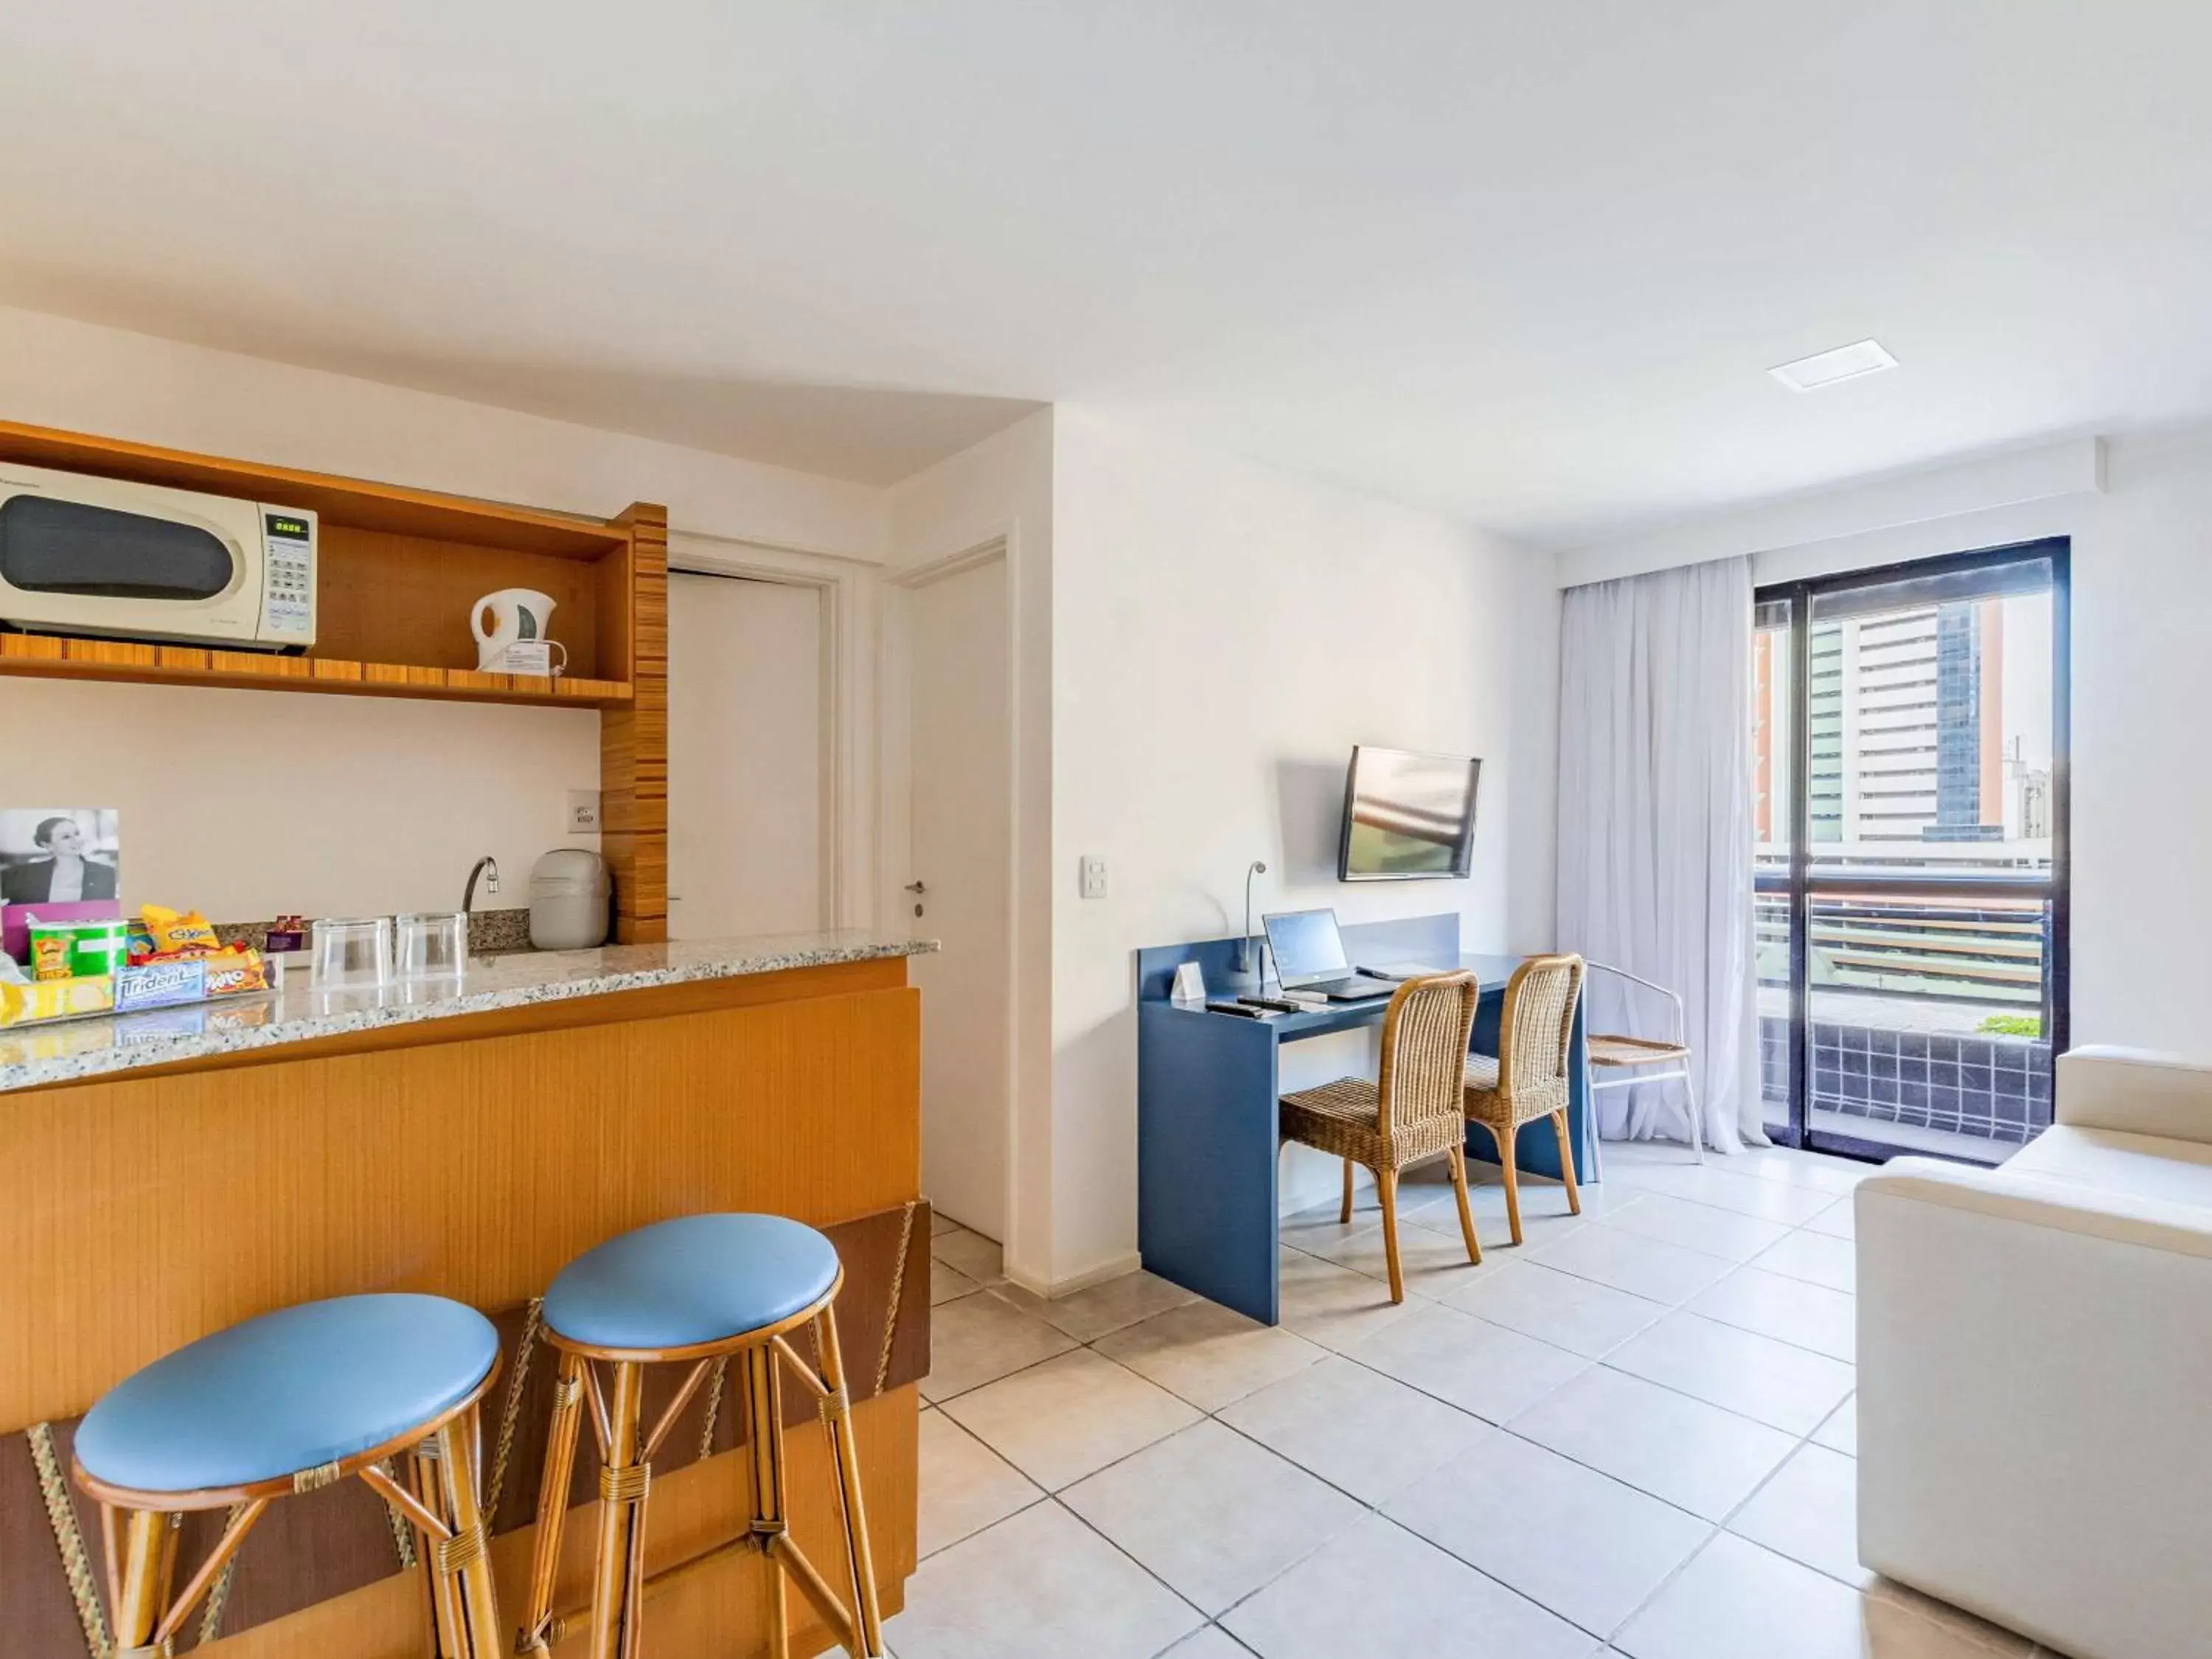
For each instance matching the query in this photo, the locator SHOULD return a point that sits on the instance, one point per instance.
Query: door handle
(916, 887)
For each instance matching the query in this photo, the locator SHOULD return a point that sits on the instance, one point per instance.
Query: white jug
(517, 614)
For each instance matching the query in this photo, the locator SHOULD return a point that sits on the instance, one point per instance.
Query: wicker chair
(1528, 1078)
(1413, 1114)
(1622, 1062)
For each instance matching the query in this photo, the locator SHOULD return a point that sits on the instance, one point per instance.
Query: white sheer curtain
(1654, 871)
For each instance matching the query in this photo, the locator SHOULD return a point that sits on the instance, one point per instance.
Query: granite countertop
(36, 1056)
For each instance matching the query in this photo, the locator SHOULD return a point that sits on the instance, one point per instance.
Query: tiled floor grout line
(1714, 1530)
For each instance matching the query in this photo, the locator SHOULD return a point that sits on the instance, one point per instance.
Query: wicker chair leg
(1506, 1140)
(1466, 1211)
(1344, 1216)
(1567, 1162)
(1386, 1184)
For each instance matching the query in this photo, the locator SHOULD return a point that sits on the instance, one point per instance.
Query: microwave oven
(80, 554)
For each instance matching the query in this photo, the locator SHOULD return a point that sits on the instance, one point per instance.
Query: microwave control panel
(287, 577)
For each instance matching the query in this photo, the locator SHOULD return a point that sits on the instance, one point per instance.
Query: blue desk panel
(1207, 1090)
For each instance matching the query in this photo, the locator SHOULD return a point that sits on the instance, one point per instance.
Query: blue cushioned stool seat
(290, 1391)
(697, 1279)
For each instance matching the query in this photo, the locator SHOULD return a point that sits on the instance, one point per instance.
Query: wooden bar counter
(165, 1175)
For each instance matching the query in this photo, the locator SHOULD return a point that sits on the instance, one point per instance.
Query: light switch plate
(1094, 876)
(583, 812)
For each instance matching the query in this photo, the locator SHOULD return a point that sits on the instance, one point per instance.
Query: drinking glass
(432, 944)
(351, 953)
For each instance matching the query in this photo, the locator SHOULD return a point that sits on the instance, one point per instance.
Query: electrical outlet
(583, 812)
(1094, 876)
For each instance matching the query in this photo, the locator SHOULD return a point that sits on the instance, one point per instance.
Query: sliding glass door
(1910, 777)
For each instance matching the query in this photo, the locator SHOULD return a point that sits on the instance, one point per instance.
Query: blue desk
(1208, 1087)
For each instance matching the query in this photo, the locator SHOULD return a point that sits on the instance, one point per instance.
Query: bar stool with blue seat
(289, 1402)
(702, 1290)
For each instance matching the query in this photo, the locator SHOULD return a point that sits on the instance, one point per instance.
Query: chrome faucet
(488, 867)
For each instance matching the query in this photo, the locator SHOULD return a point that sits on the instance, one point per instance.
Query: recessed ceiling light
(1827, 367)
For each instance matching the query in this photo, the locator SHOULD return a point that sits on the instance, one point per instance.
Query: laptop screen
(1306, 945)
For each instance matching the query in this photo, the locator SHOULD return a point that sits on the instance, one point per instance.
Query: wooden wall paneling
(142, 1214)
(634, 746)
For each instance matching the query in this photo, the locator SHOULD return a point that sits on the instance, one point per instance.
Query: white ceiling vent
(1827, 367)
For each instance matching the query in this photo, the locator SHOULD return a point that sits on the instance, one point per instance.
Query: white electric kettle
(518, 616)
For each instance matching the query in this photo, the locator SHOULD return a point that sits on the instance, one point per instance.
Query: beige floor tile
(947, 1283)
(1211, 1642)
(1038, 1582)
(1630, 1261)
(1736, 1601)
(1208, 1354)
(1434, 1261)
(1545, 1218)
(1585, 1547)
(1380, 1591)
(1467, 1361)
(1818, 1169)
(1212, 1513)
(1578, 1315)
(1839, 1220)
(941, 1224)
(1786, 1388)
(1841, 1432)
(1089, 1313)
(1787, 1309)
(1332, 1305)
(1815, 1258)
(1808, 1510)
(1356, 1428)
(1069, 1417)
(978, 1339)
(1697, 1226)
(1746, 1194)
(965, 1485)
(972, 1253)
(1316, 1230)
(1695, 1457)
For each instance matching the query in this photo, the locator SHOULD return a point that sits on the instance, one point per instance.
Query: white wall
(999, 491)
(333, 803)
(2141, 674)
(248, 804)
(1224, 634)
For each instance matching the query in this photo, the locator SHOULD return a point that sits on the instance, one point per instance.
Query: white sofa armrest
(2135, 1091)
(2035, 1422)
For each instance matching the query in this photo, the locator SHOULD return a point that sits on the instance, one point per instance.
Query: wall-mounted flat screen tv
(1407, 815)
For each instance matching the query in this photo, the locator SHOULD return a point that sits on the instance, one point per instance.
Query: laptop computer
(1309, 953)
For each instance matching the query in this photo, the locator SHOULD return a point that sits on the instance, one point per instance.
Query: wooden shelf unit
(398, 569)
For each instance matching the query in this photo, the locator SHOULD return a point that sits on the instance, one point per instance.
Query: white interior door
(963, 831)
(745, 813)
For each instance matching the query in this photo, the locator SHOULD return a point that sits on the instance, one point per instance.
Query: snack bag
(177, 934)
(235, 972)
(49, 956)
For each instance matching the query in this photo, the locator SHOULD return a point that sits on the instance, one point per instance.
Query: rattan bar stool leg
(539, 1631)
(465, 1560)
(1458, 1157)
(1344, 1216)
(137, 1545)
(867, 1615)
(1386, 1183)
(764, 1394)
(448, 1624)
(618, 1575)
(1567, 1163)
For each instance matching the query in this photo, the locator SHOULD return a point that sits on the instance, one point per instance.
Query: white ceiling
(1528, 262)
